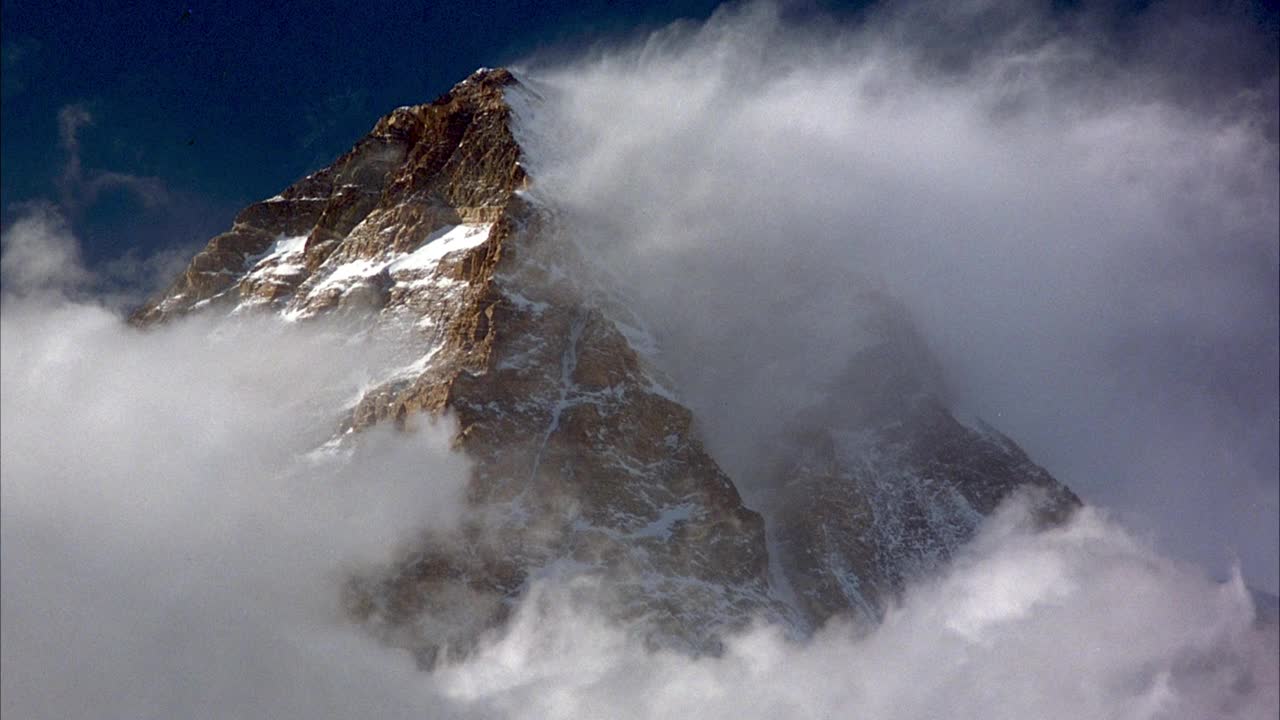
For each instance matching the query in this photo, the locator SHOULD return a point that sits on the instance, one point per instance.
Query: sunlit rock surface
(585, 460)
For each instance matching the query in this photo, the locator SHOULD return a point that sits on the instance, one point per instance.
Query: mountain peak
(453, 160)
(483, 88)
(582, 455)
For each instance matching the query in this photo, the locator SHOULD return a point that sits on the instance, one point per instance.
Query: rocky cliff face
(585, 461)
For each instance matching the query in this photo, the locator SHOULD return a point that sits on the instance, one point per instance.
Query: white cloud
(1083, 226)
(40, 254)
(172, 546)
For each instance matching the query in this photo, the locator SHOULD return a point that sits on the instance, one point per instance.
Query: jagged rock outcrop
(584, 460)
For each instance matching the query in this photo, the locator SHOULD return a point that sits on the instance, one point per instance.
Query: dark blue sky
(234, 101)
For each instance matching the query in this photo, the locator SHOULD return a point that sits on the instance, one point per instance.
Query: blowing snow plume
(1077, 210)
(212, 514)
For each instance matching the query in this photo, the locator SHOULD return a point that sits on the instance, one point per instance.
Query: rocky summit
(584, 460)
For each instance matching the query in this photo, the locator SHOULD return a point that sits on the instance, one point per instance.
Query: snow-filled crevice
(568, 364)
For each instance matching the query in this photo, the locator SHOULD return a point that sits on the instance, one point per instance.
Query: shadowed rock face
(584, 461)
(879, 483)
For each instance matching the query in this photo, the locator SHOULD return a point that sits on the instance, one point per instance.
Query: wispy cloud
(40, 254)
(79, 187)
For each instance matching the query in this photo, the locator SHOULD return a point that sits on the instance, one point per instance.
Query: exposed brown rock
(579, 455)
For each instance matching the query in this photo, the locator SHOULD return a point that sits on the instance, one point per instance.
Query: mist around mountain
(179, 526)
(170, 548)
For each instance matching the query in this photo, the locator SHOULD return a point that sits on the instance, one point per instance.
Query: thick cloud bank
(1080, 211)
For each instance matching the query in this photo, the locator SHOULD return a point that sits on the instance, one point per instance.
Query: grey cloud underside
(585, 459)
